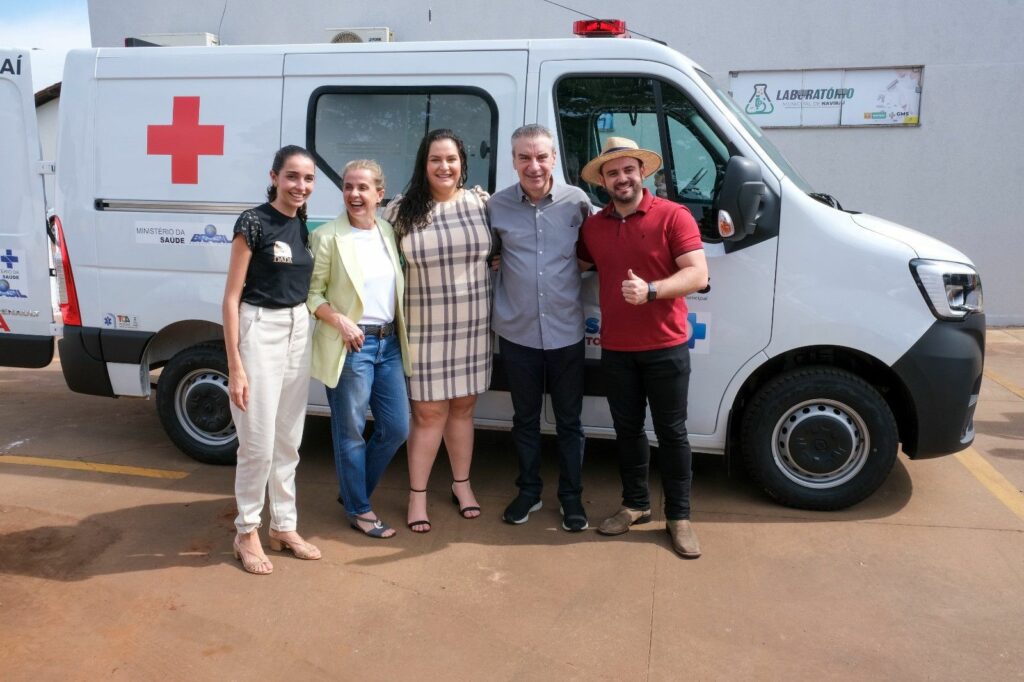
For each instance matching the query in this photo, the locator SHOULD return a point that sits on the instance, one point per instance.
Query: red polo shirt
(648, 242)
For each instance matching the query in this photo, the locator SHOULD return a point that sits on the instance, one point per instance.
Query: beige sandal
(251, 561)
(300, 548)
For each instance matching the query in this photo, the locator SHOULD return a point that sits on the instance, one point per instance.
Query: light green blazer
(338, 280)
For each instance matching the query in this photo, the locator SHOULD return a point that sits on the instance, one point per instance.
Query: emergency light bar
(599, 28)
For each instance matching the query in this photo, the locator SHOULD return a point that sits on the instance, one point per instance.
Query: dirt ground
(113, 573)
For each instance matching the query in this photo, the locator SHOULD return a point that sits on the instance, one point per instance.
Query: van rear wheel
(819, 438)
(194, 407)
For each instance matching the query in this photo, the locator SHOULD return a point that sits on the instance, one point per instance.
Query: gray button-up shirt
(537, 291)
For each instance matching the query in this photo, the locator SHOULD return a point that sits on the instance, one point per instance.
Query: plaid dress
(448, 298)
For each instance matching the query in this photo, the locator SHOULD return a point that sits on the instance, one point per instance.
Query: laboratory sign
(828, 98)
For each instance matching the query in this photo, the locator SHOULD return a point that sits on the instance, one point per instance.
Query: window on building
(387, 125)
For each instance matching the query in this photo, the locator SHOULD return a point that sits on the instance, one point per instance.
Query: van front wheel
(819, 438)
(194, 407)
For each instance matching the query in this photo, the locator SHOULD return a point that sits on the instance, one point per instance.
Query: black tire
(819, 438)
(194, 407)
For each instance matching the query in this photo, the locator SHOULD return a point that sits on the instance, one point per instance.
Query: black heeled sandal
(422, 522)
(455, 501)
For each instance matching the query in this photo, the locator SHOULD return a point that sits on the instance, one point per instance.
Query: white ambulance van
(827, 338)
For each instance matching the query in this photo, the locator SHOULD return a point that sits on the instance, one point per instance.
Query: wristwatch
(652, 293)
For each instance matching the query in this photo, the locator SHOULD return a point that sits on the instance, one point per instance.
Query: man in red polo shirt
(649, 255)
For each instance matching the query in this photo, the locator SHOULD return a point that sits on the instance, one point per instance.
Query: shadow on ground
(197, 534)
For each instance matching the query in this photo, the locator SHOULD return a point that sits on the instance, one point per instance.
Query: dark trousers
(661, 378)
(560, 370)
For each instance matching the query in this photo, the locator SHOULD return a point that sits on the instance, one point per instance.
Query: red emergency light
(599, 28)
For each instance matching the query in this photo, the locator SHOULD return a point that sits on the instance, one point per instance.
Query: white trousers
(275, 349)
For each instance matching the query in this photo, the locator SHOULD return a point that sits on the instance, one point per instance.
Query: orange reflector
(725, 227)
(599, 28)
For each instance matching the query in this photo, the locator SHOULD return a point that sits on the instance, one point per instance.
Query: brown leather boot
(622, 520)
(684, 539)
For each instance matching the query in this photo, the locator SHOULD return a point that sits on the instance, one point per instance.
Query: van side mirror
(739, 199)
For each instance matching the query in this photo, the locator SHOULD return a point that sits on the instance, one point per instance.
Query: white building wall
(957, 176)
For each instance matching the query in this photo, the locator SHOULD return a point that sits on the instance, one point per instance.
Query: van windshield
(758, 135)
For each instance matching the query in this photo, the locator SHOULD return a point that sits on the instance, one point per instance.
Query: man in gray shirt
(538, 316)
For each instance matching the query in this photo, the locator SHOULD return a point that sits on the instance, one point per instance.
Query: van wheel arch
(179, 336)
(852, 367)
(193, 404)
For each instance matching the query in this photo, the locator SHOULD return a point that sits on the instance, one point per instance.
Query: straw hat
(616, 148)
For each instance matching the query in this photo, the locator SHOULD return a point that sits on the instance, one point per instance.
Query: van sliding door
(374, 104)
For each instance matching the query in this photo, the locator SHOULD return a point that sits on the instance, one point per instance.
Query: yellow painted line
(91, 466)
(1008, 385)
(1004, 491)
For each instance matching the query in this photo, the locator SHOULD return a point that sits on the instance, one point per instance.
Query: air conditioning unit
(181, 39)
(372, 34)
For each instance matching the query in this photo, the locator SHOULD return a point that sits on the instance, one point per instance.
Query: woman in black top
(266, 332)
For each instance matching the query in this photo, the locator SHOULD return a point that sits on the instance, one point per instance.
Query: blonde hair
(365, 164)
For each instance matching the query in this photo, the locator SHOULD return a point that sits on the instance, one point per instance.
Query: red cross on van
(184, 140)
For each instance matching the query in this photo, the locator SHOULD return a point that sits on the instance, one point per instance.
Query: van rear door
(26, 309)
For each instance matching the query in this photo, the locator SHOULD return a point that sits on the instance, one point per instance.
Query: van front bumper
(942, 373)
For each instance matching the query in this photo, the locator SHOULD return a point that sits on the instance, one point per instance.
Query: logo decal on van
(7, 292)
(3, 324)
(120, 321)
(698, 331)
(209, 235)
(185, 140)
(158, 233)
(13, 275)
(177, 233)
(592, 331)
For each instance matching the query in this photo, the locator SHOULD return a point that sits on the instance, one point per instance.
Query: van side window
(387, 124)
(657, 116)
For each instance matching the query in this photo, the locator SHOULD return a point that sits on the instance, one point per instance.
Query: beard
(626, 193)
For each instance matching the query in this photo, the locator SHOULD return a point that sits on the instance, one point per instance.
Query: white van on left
(26, 310)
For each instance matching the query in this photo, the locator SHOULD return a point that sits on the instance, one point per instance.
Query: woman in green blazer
(360, 347)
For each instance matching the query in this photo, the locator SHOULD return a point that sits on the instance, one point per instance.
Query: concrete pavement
(121, 576)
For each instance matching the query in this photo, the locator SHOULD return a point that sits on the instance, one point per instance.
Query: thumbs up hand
(634, 289)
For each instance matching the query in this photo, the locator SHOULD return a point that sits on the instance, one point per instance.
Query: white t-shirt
(378, 276)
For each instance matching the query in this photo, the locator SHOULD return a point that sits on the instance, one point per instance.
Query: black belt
(378, 330)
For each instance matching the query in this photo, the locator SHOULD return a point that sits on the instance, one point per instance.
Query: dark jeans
(561, 369)
(659, 377)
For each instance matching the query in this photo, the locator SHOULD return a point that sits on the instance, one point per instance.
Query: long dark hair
(417, 202)
(280, 158)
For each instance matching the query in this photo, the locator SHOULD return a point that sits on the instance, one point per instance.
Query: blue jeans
(372, 378)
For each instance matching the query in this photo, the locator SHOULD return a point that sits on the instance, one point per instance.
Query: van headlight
(952, 290)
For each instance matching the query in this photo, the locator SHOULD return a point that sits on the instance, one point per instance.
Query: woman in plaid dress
(445, 240)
